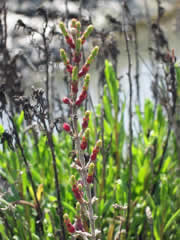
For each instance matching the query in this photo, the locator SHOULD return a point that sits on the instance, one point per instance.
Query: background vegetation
(137, 181)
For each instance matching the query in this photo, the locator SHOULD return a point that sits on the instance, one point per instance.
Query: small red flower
(93, 156)
(90, 178)
(70, 228)
(70, 41)
(78, 102)
(69, 68)
(77, 57)
(66, 127)
(66, 100)
(77, 193)
(84, 70)
(85, 123)
(83, 143)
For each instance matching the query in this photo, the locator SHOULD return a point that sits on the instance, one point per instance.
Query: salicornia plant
(81, 187)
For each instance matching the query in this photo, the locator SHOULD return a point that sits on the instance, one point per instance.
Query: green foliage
(111, 178)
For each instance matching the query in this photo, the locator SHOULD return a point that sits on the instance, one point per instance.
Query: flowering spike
(64, 56)
(87, 33)
(63, 29)
(92, 55)
(84, 70)
(78, 25)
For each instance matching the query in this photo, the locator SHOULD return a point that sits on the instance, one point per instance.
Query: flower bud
(99, 143)
(66, 127)
(69, 68)
(91, 169)
(69, 226)
(87, 114)
(73, 23)
(70, 41)
(73, 180)
(84, 70)
(66, 100)
(83, 144)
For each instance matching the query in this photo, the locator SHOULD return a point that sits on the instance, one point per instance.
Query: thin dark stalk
(58, 193)
(46, 52)
(130, 132)
(136, 48)
(39, 211)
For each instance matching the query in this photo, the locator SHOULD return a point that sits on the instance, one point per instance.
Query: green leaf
(112, 84)
(171, 220)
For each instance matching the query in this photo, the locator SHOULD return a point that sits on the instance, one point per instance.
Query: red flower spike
(66, 127)
(66, 100)
(70, 41)
(90, 178)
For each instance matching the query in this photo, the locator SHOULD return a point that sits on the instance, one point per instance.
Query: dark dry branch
(126, 12)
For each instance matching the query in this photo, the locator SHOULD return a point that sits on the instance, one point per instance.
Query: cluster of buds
(77, 189)
(96, 149)
(68, 223)
(85, 120)
(84, 140)
(75, 41)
